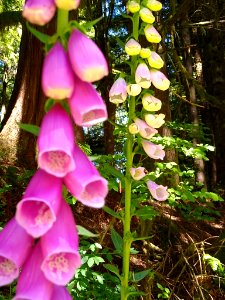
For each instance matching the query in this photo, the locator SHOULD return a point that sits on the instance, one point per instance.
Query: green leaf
(117, 240)
(83, 231)
(44, 38)
(90, 24)
(112, 212)
(112, 269)
(48, 104)
(34, 129)
(141, 275)
(90, 262)
(114, 172)
(146, 213)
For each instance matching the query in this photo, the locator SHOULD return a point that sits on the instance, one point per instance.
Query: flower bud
(132, 47)
(145, 53)
(152, 150)
(152, 34)
(155, 121)
(155, 61)
(159, 192)
(133, 89)
(133, 6)
(146, 15)
(137, 173)
(151, 103)
(118, 91)
(133, 128)
(154, 5)
(67, 4)
(159, 80)
(142, 76)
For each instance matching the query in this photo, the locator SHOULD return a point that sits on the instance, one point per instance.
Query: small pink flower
(60, 293)
(87, 60)
(39, 12)
(86, 105)
(60, 248)
(159, 80)
(32, 283)
(85, 182)
(152, 150)
(138, 173)
(142, 76)
(56, 142)
(57, 74)
(152, 34)
(132, 47)
(159, 192)
(145, 130)
(37, 210)
(146, 15)
(155, 60)
(67, 4)
(118, 91)
(15, 246)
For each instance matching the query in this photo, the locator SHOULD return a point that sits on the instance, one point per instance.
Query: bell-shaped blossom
(85, 183)
(146, 15)
(142, 76)
(37, 210)
(133, 128)
(15, 246)
(132, 47)
(153, 5)
(39, 12)
(60, 248)
(152, 150)
(56, 142)
(155, 60)
(32, 284)
(158, 192)
(145, 130)
(87, 60)
(151, 103)
(118, 91)
(57, 75)
(133, 6)
(67, 4)
(60, 293)
(145, 53)
(86, 105)
(133, 89)
(138, 173)
(159, 80)
(152, 34)
(156, 121)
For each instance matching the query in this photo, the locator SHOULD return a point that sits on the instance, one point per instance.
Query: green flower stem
(62, 20)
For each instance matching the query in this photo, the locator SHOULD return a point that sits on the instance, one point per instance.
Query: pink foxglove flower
(155, 121)
(118, 91)
(151, 103)
(132, 47)
(32, 284)
(152, 150)
(85, 182)
(133, 89)
(56, 142)
(57, 74)
(60, 248)
(146, 15)
(155, 60)
(138, 173)
(159, 80)
(142, 76)
(60, 293)
(86, 105)
(67, 4)
(145, 130)
(87, 60)
(153, 5)
(39, 12)
(37, 210)
(15, 246)
(159, 192)
(152, 34)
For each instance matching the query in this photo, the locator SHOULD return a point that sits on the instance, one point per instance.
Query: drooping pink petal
(32, 284)
(145, 130)
(152, 150)
(15, 246)
(118, 91)
(60, 293)
(56, 142)
(60, 248)
(37, 210)
(159, 80)
(159, 192)
(138, 173)
(85, 182)
(86, 105)
(87, 60)
(67, 4)
(57, 75)
(39, 12)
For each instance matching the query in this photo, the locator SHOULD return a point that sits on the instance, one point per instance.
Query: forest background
(184, 258)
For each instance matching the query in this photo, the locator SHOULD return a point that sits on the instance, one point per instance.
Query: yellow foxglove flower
(132, 47)
(145, 53)
(155, 61)
(146, 15)
(133, 6)
(151, 103)
(152, 34)
(155, 121)
(133, 89)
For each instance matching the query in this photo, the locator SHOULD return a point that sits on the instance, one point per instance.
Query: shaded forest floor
(174, 252)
